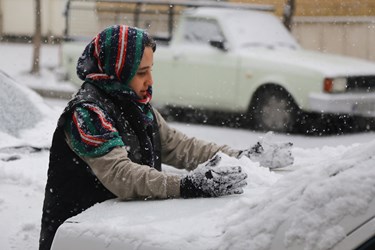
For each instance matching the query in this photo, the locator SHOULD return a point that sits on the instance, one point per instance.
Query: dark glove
(211, 180)
(270, 154)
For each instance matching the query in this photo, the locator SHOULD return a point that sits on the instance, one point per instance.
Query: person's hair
(149, 41)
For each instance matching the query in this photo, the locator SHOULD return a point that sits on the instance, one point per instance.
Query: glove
(269, 154)
(211, 180)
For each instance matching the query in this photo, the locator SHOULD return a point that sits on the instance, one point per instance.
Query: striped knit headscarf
(110, 62)
(112, 58)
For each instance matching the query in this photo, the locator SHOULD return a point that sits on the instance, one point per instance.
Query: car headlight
(335, 85)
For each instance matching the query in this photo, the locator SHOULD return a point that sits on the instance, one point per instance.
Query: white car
(316, 205)
(244, 62)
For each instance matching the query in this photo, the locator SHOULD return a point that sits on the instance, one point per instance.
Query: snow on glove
(211, 180)
(270, 154)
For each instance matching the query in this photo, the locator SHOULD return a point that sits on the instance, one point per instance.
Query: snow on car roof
(22, 112)
(17, 109)
(250, 27)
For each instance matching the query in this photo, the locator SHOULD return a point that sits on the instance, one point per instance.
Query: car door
(204, 75)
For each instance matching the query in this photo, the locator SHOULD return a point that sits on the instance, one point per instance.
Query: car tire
(273, 109)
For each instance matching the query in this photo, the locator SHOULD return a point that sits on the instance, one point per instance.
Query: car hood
(328, 64)
(307, 208)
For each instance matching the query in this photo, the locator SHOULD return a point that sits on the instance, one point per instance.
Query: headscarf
(110, 62)
(112, 58)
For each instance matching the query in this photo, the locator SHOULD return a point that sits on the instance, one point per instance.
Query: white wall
(83, 19)
(18, 17)
(352, 36)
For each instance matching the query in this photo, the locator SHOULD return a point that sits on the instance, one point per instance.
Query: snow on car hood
(329, 65)
(313, 198)
(313, 201)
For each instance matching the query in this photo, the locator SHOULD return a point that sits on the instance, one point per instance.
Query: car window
(202, 31)
(368, 245)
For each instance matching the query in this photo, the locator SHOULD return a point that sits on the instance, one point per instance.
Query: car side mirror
(219, 45)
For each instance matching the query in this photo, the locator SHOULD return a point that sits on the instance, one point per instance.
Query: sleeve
(128, 180)
(185, 152)
(91, 135)
(91, 131)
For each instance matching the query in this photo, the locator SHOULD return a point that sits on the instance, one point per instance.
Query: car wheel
(273, 109)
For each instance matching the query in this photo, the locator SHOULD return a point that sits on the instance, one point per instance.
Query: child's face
(143, 77)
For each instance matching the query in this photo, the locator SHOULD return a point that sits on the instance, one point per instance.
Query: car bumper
(362, 104)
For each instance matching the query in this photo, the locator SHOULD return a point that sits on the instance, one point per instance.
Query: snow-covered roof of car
(18, 106)
(249, 28)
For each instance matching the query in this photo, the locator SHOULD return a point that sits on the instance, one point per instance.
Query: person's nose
(150, 80)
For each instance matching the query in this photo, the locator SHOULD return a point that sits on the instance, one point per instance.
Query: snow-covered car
(22, 111)
(315, 204)
(245, 62)
(19, 107)
(26, 127)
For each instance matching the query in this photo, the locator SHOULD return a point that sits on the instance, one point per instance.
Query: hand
(211, 180)
(270, 154)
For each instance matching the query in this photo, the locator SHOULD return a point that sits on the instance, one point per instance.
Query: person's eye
(141, 73)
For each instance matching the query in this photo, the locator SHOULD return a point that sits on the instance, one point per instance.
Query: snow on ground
(313, 196)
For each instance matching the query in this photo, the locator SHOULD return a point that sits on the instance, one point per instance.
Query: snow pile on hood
(302, 208)
(309, 203)
(164, 224)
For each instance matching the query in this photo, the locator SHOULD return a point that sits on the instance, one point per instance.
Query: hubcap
(275, 114)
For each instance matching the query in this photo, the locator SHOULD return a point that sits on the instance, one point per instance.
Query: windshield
(252, 28)
(201, 30)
